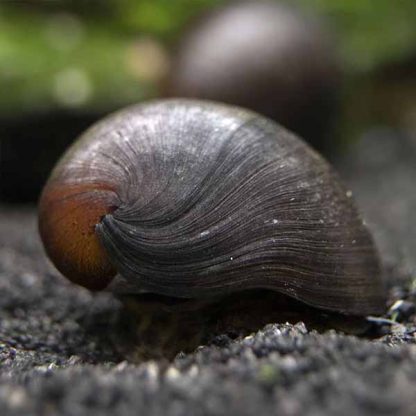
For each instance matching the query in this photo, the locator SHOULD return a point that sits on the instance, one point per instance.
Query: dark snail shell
(191, 199)
(264, 56)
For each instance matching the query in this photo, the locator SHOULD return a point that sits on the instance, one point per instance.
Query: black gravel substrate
(58, 356)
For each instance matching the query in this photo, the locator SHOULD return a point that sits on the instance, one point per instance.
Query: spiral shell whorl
(208, 199)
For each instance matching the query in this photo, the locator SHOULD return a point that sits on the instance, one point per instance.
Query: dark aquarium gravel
(58, 355)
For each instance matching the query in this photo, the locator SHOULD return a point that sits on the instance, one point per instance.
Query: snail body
(264, 56)
(192, 199)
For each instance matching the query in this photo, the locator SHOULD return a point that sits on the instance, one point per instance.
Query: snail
(187, 199)
(264, 56)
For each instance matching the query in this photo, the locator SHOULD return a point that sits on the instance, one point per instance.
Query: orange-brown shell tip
(68, 214)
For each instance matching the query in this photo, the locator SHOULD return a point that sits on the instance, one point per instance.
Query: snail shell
(193, 199)
(264, 56)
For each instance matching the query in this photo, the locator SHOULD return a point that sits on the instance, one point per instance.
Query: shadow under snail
(182, 200)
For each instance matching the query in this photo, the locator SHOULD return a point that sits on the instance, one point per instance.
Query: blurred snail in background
(187, 199)
(264, 56)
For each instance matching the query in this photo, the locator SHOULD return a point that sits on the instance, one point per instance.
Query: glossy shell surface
(194, 199)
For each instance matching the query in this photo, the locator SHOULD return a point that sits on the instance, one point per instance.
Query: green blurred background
(88, 57)
(96, 45)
